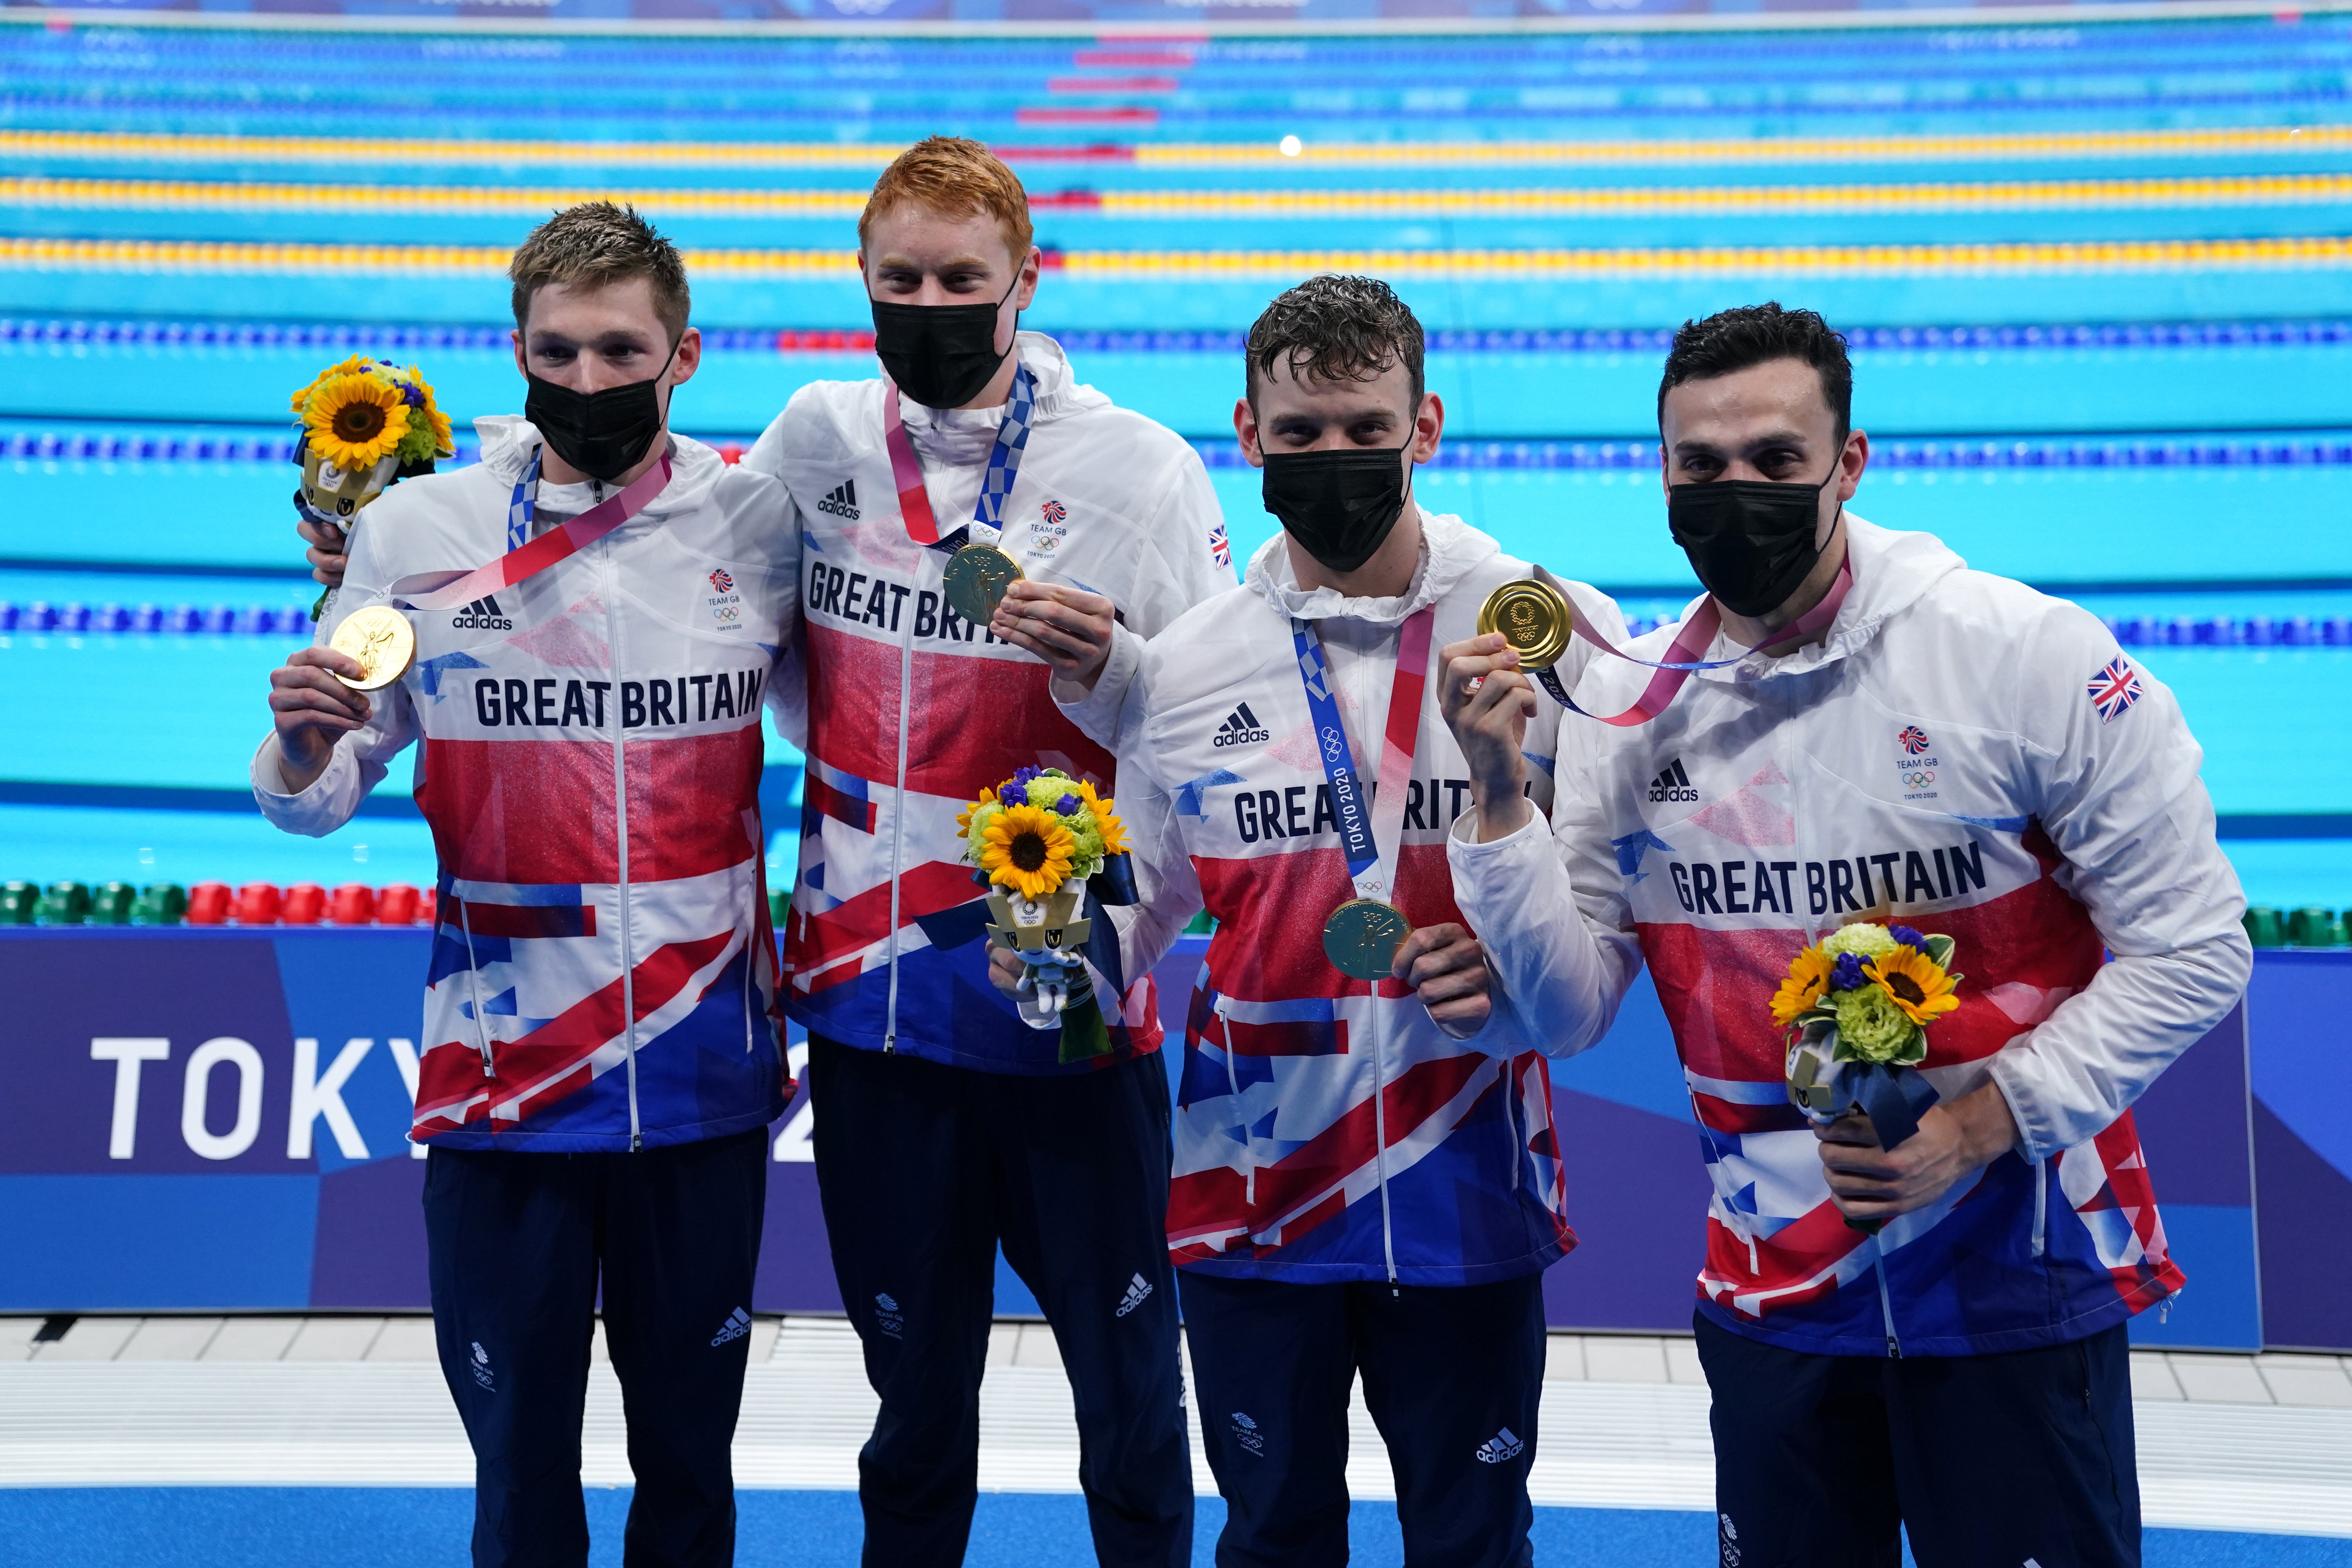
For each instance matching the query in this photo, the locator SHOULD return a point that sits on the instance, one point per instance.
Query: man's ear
(689, 357)
(1246, 428)
(522, 366)
(1428, 427)
(1030, 273)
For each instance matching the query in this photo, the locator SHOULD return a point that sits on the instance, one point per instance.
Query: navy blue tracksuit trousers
(1985, 1461)
(924, 1168)
(518, 1244)
(1453, 1377)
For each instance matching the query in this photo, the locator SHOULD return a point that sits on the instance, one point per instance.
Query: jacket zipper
(1380, 1139)
(1367, 671)
(1886, 1308)
(899, 815)
(2041, 1204)
(1233, 1082)
(621, 810)
(473, 986)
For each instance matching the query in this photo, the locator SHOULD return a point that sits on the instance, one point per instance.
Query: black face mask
(1341, 503)
(939, 355)
(1750, 541)
(602, 434)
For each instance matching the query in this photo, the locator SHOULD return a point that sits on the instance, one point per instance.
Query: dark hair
(599, 243)
(1336, 328)
(1734, 340)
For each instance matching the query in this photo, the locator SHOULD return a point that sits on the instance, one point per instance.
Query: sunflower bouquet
(1040, 841)
(365, 424)
(1856, 1007)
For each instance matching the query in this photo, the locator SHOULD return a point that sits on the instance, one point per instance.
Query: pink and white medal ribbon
(1695, 638)
(445, 590)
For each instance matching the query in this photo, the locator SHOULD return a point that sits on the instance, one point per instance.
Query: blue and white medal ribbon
(1361, 936)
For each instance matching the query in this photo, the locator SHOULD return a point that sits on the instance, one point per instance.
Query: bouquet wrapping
(1052, 853)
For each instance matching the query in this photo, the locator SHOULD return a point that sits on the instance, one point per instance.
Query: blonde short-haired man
(601, 1050)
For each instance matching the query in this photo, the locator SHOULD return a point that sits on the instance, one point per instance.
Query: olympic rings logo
(1919, 778)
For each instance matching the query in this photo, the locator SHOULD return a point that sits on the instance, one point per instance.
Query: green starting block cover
(2315, 927)
(160, 904)
(65, 904)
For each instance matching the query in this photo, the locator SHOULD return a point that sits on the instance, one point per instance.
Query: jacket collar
(1449, 549)
(507, 440)
(1892, 571)
(958, 437)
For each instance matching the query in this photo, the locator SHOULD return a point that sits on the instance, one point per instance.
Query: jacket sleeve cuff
(317, 811)
(1482, 870)
(2037, 1139)
(1096, 712)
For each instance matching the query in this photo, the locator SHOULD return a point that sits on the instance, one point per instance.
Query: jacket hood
(963, 436)
(507, 443)
(1892, 571)
(1449, 549)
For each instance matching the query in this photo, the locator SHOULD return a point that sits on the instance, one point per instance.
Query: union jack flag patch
(2114, 689)
(1220, 548)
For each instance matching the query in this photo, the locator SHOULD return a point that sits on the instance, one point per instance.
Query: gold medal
(975, 579)
(1533, 617)
(1362, 936)
(381, 638)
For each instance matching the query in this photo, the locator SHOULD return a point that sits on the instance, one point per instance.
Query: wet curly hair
(1335, 327)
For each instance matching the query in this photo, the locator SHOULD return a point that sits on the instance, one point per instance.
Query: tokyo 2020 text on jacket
(603, 976)
(912, 710)
(1327, 1130)
(1964, 756)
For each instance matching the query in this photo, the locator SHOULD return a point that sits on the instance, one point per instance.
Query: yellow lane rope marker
(149, 256)
(1718, 201)
(399, 152)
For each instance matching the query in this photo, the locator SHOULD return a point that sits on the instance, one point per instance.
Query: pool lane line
(870, 157)
(2327, 252)
(2171, 192)
(245, 336)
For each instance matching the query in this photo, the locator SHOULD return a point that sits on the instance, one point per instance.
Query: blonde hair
(599, 243)
(953, 175)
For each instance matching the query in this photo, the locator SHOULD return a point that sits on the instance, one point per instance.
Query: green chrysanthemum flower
(1870, 1026)
(1861, 939)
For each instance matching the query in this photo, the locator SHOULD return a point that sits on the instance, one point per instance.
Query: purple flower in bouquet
(1909, 938)
(1067, 805)
(1846, 973)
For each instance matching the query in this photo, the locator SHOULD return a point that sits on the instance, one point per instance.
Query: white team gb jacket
(914, 712)
(602, 973)
(1962, 755)
(1327, 1128)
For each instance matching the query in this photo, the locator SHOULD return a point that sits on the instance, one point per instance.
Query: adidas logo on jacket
(1941, 758)
(589, 745)
(913, 710)
(1290, 1066)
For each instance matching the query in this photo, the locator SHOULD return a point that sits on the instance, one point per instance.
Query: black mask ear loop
(662, 434)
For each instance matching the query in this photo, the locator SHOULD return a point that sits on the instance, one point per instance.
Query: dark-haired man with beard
(1926, 1338)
